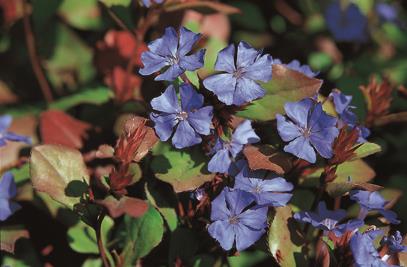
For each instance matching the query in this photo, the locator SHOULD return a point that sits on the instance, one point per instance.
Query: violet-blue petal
(298, 111)
(167, 102)
(341, 101)
(170, 74)
(260, 70)
(237, 200)
(286, 129)
(364, 251)
(194, 61)
(220, 162)
(163, 124)
(226, 59)
(394, 243)
(190, 99)
(187, 39)
(5, 122)
(219, 210)
(248, 232)
(244, 134)
(301, 148)
(222, 85)
(201, 120)
(323, 140)
(223, 232)
(152, 63)
(17, 138)
(350, 225)
(390, 215)
(386, 12)
(304, 69)
(319, 120)
(8, 188)
(246, 55)
(7, 208)
(167, 44)
(246, 91)
(185, 136)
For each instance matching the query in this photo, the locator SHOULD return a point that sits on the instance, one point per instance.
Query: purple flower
(296, 65)
(346, 115)
(172, 53)
(190, 119)
(308, 125)
(386, 12)
(148, 3)
(364, 251)
(346, 23)
(8, 190)
(394, 243)
(233, 220)
(226, 151)
(328, 220)
(237, 84)
(267, 188)
(373, 201)
(5, 122)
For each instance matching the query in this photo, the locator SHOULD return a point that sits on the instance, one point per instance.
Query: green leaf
(143, 234)
(92, 263)
(82, 237)
(82, 14)
(284, 241)
(320, 61)
(21, 174)
(285, 86)
(71, 61)
(95, 96)
(247, 258)
(163, 199)
(110, 3)
(184, 169)
(251, 18)
(367, 149)
(58, 171)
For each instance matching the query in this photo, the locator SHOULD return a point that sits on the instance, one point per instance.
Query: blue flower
(296, 65)
(8, 190)
(172, 53)
(328, 220)
(386, 12)
(394, 243)
(234, 221)
(148, 3)
(308, 125)
(346, 115)
(373, 201)
(346, 23)
(226, 151)
(5, 122)
(364, 251)
(190, 119)
(267, 188)
(237, 84)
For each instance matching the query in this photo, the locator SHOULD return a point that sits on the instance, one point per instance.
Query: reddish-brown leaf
(12, 10)
(131, 206)
(322, 256)
(266, 157)
(9, 237)
(57, 127)
(344, 146)
(126, 85)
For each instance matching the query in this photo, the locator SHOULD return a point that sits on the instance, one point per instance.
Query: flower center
(234, 220)
(173, 60)
(257, 189)
(182, 115)
(329, 223)
(238, 73)
(306, 132)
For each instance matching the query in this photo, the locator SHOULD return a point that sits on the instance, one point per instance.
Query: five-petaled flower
(346, 24)
(373, 201)
(226, 151)
(233, 219)
(237, 84)
(8, 190)
(173, 54)
(190, 119)
(267, 188)
(308, 125)
(346, 115)
(5, 122)
(296, 65)
(328, 220)
(364, 251)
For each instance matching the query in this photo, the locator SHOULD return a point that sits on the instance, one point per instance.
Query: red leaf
(125, 85)
(57, 127)
(322, 256)
(134, 207)
(267, 158)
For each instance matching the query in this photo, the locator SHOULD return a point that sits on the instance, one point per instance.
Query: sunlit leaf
(110, 3)
(57, 171)
(367, 149)
(9, 236)
(285, 86)
(184, 169)
(82, 14)
(131, 206)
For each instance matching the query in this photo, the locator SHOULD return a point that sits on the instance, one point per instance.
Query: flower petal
(222, 85)
(246, 236)
(244, 134)
(323, 140)
(170, 74)
(7, 208)
(220, 162)
(246, 55)
(152, 63)
(223, 232)
(194, 61)
(167, 102)
(185, 136)
(226, 59)
(163, 125)
(190, 99)
(301, 148)
(8, 188)
(277, 184)
(17, 138)
(260, 70)
(247, 91)
(273, 199)
(237, 200)
(219, 209)
(5, 122)
(201, 120)
(298, 111)
(286, 129)
(167, 44)
(187, 39)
